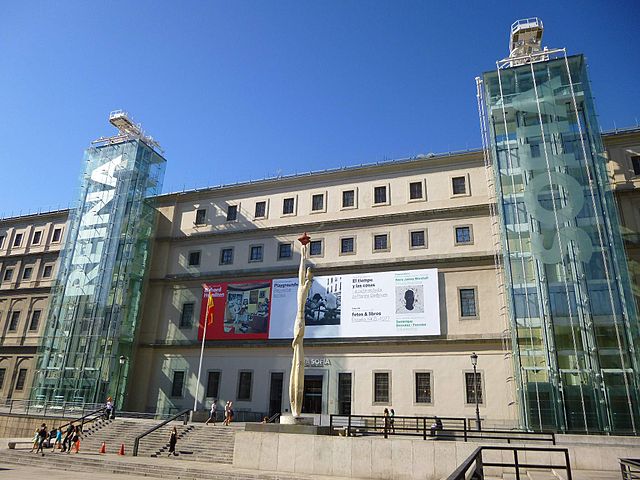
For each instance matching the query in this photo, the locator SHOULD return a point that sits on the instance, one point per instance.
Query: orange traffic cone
(121, 452)
(103, 448)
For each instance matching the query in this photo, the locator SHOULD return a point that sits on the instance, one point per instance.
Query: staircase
(207, 443)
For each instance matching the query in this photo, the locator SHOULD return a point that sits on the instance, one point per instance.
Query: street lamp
(474, 362)
(122, 361)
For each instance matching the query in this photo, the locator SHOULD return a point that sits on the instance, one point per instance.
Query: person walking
(392, 415)
(385, 414)
(108, 408)
(36, 440)
(212, 413)
(66, 443)
(58, 441)
(75, 439)
(42, 436)
(173, 439)
(226, 413)
(230, 418)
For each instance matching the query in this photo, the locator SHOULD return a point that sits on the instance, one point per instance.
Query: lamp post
(122, 361)
(474, 362)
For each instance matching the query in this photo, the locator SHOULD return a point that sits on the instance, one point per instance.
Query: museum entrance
(275, 394)
(312, 402)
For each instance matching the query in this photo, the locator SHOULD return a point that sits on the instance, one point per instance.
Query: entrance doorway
(312, 402)
(275, 394)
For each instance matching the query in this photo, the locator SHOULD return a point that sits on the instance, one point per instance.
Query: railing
(630, 468)
(452, 428)
(273, 418)
(53, 408)
(89, 417)
(473, 467)
(183, 413)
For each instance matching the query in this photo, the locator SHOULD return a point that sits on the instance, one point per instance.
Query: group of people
(228, 413)
(390, 427)
(43, 438)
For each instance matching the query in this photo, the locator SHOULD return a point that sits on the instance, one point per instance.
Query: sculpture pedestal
(291, 420)
(289, 424)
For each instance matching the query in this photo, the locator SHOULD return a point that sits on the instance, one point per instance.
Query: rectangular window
(473, 387)
(287, 206)
(285, 250)
(22, 377)
(194, 259)
(317, 202)
(261, 210)
(17, 240)
(380, 242)
(37, 236)
(35, 320)
(13, 321)
(348, 198)
(344, 394)
(380, 195)
(178, 384)
(468, 302)
(186, 317)
(213, 384)
(347, 245)
(226, 256)
(244, 385)
(463, 235)
(315, 248)
(459, 185)
(8, 273)
(423, 387)
(256, 253)
(381, 387)
(3, 372)
(415, 191)
(201, 215)
(26, 273)
(48, 270)
(57, 235)
(418, 239)
(232, 213)
(635, 162)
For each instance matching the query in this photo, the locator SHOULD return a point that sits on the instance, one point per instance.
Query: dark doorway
(344, 394)
(275, 395)
(312, 402)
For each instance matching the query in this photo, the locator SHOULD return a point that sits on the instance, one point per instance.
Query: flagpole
(204, 336)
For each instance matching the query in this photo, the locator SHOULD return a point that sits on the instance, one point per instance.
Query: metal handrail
(630, 468)
(273, 418)
(183, 413)
(476, 461)
(82, 419)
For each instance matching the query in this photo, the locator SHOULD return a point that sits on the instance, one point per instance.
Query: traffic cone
(103, 448)
(121, 452)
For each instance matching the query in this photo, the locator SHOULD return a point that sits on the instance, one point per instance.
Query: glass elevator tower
(573, 320)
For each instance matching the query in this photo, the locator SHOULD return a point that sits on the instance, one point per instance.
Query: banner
(383, 304)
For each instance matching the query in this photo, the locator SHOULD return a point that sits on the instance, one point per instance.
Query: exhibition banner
(383, 304)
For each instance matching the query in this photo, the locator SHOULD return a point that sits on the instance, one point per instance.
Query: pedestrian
(42, 434)
(66, 444)
(173, 439)
(108, 409)
(75, 439)
(437, 425)
(212, 413)
(392, 415)
(230, 418)
(226, 413)
(58, 441)
(385, 414)
(35, 440)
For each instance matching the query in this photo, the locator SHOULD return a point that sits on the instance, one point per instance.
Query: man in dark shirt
(42, 434)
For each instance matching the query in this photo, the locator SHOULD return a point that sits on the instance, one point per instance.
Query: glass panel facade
(573, 320)
(96, 299)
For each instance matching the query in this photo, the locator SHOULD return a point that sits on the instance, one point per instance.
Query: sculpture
(296, 380)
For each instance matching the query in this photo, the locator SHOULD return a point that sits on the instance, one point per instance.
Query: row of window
(347, 245)
(37, 238)
(27, 273)
(381, 196)
(34, 323)
(20, 379)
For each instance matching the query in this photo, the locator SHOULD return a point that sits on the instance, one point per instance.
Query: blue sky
(241, 90)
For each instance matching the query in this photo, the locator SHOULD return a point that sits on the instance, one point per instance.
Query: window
(226, 256)
(463, 235)
(415, 191)
(48, 269)
(256, 253)
(8, 273)
(635, 162)
(17, 240)
(35, 320)
(288, 205)
(244, 385)
(194, 259)
(57, 235)
(213, 384)
(201, 215)
(317, 202)
(381, 387)
(380, 195)
(348, 198)
(13, 321)
(285, 250)
(344, 393)
(468, 306)
(22, 377)
(186, 317)
(423, 387)
(459, 185)
(178, 384)
(3, 372)
(473, 388)
(418, 239)
(347, 245)
(232, 213)
(261, 210)
(315, 248)
(26, 273)
(381, 242)
(37, 236)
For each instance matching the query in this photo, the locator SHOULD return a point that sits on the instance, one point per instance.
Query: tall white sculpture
(296, 381)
